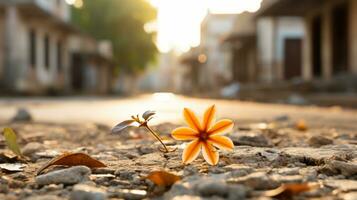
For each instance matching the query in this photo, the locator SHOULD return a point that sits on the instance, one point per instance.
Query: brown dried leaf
(148, 114)
(163, 178)
(73, 159)
(122, 125)
(287, 191)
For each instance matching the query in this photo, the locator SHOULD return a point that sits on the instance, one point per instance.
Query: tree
(122, 22)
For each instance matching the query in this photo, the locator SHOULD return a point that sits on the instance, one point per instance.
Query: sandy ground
(270, 150)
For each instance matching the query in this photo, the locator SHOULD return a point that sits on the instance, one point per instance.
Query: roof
(30, 9)
(288, 7)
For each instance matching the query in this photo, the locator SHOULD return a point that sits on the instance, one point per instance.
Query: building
(330, 42)
(216, 72)
(41, 51)
(241, 45)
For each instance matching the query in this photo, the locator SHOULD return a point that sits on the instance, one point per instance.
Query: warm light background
(178, 23)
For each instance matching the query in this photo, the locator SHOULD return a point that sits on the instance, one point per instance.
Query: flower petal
(221, 127)
(184, 133)
(191, 119)
(209, 117)
(210, 154)
(221, 142)
(191, 151)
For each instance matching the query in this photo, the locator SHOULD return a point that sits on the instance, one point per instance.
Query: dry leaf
(148, 114)
(162, 178)
(10, 139)
(122, 125)
(286, 191)
(73, 159)
(301, 125)
(12, 167)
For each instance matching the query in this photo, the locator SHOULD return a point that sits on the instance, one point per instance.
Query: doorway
(340, 38)
(292, 58)
(316, 46)
(77, 72)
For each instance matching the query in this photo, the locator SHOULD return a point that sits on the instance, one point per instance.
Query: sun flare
(178, 23)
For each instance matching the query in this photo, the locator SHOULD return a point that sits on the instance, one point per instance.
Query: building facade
(38, 47)
(214, 28)
(330, 42)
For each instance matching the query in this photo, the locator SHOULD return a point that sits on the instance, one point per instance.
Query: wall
(271, 34)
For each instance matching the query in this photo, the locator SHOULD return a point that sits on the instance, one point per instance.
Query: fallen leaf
(148, 114)
(73, 159)
(122, 125)
(163, 178)
(8, 157)
(12, 167)
(10, 139)
(301, 125)
(287, 191)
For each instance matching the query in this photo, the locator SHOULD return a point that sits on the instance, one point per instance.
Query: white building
(38, 49)
(214, 28)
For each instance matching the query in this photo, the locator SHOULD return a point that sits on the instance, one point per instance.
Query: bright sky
(178, 23)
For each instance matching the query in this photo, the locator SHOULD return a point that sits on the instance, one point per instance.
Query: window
(47, 52)
(59, 55)
(32, 48)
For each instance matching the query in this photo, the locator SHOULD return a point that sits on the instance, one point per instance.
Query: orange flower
(207, 136)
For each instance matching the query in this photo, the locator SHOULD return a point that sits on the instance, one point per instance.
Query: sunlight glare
(179, 21)
(163, 96)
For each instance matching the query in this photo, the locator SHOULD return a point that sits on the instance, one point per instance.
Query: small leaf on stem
(10, 139)
(121, 126)
(148, 114)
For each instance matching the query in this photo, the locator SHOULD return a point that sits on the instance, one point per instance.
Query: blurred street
(112, 110)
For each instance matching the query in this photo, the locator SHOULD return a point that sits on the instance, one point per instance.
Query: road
(109, 111)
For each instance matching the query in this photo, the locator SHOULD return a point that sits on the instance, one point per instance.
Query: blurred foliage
(122, 22)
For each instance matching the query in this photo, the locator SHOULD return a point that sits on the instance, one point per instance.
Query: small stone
(251, 139)
(44, 197)
(22, 115)
(127, 194)
(124, 174)
(287, 179)
(212, 188)
(31, 148)
(68, 176)
(236, 170)
(288, 171)
(350, 196)
(256, 180)
(318, 141)
(343, 185)
(337, 167)
(86, 192)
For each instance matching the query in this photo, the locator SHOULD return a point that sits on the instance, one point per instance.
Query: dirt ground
(267, 154)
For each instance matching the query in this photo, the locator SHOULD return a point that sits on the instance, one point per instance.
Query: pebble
(210, 188)
(318, 141)
(31, 148)
(343, 185)
(127, 194)
(337, 167)
(22, 115)
(350, 196)
(86, 192)
(68, 176)
(44, 197)
(251, 139)
(256, 180)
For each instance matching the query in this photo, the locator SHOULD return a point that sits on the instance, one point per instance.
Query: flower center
(203, 136)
